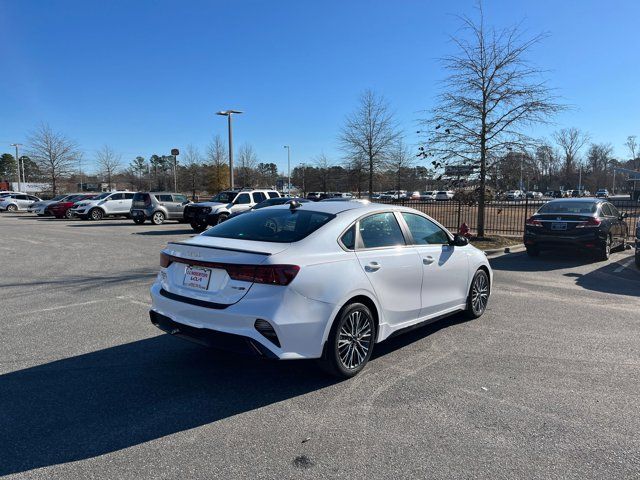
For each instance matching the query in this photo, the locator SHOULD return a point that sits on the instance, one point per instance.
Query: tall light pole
(17, 145)
(288, 169)
(304, 171)
(80, 171)
(228, 114)
(174, 153)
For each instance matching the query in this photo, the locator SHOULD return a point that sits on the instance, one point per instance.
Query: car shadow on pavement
(100, 402)
(609, 279)
(184, 231)
(547, 261)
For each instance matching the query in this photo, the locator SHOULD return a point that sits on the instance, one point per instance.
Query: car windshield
(224, 197)
(569, 207)
(271, 225)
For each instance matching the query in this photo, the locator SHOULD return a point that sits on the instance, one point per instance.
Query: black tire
(158, 218)
(68, 214)
(198, 227)
(479, 292)
(138, 220)
(12, 208)
(533, 251)
(221, 218)
(335, 358)
(96, 214)
(605, 250)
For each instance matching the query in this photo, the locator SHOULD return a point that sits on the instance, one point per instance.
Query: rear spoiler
(220, 248)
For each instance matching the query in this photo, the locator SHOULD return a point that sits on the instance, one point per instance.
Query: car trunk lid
(217, 272)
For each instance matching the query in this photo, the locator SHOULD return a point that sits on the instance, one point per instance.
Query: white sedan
(322, 280)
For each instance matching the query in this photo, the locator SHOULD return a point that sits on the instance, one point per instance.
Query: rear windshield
(271, 225)
(569, 207)
(141, 197)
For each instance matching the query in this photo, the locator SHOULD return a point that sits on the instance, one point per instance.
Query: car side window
(242, 199)
(35, 199)
(259, 197)
(424, 231)
(22, 197)
(606, 210)
(180, 199)
(129, 196)
(380, 230)
(614, 210)
(273, 194)
(116, 196)
(348, 238)
(164, 198)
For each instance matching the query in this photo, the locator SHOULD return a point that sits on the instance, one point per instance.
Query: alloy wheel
(479, 293)
(158, 218)
(354, 339)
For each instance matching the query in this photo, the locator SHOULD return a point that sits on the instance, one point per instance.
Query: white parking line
(623, 266)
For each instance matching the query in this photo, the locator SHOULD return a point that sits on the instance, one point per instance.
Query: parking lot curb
(497, 252)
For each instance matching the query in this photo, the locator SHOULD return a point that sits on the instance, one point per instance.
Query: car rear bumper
(586, 240)
(299, 322)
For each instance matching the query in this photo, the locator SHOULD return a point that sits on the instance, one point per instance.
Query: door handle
(428, 260)
(373, 267)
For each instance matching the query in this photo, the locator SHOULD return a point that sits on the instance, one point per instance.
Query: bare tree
(492, 94)
(323, 164)
(54, 153)
(570, 141)
(400, 159)
(217, 157)
(369, 133)
(247, 161)
(632, 145)
(108, 162)
(193, 168)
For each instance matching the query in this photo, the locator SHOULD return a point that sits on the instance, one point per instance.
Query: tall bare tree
(323, 164)
(247, 161)
(632, 145)
(369, 133)
(490, 97)
(400, 159)
(193, 169)
(53, 152)
(108, 162)
(570, 141)
(218, 159)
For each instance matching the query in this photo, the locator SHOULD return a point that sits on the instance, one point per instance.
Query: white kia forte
(322, 280)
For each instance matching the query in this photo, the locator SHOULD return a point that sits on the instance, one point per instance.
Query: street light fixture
(228, 114)
(18, 163)
(288, 169)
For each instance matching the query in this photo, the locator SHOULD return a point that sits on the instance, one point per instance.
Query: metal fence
(501, 217)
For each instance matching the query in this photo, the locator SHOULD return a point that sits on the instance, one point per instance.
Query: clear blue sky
(145, 76)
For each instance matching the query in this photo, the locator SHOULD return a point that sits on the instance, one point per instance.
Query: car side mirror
(459, 241)
(624, 215)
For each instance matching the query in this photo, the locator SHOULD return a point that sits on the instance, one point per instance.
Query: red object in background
(5, 186)
(60, 209)
(464, 230)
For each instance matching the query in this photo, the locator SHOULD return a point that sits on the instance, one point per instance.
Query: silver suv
(158, 207)
(107, 204)
(219, 208)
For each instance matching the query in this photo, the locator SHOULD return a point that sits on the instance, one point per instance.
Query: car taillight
(533, 222)
(591, 223)
(165, 260)
(269, 274)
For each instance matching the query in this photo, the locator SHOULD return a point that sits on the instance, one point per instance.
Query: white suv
(108, 204)
(219, 208)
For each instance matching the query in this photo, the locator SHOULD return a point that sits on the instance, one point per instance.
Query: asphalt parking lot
(545, 385)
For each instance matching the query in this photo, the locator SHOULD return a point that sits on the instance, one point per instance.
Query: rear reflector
(267, 331)
(269, 274)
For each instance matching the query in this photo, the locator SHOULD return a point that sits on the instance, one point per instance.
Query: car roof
(578, 199)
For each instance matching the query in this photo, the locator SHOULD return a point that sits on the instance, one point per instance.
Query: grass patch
(495, 241)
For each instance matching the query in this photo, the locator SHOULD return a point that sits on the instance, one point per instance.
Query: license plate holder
(559, 226)
(197, 278)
